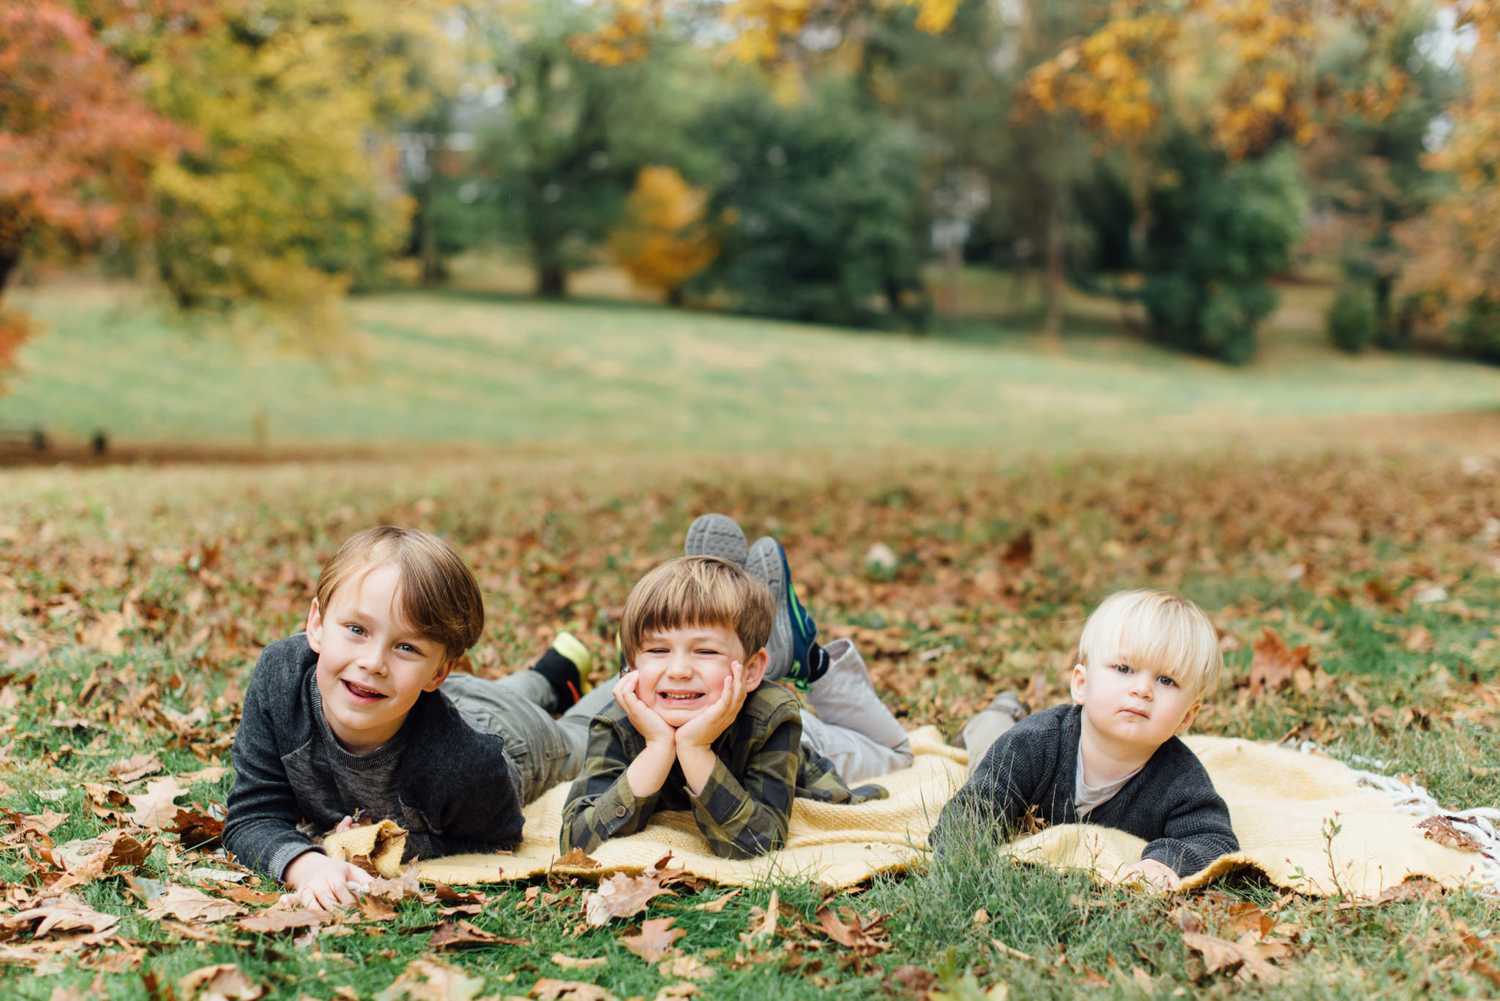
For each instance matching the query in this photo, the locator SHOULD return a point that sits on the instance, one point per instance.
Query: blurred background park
(260, 226)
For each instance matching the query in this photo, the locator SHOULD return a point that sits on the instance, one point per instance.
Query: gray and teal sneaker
(716, 535)
(793, 647)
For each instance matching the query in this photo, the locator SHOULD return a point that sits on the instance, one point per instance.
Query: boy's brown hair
(697, 591)
(439, 595)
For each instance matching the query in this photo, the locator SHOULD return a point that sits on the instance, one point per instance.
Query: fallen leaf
(687, 967)
(576, 858)
(224, 982)
(431, 980)
(275, 920)
(137, 766)
(188, 904)
(681, 989)
(620, 896)
(655, 939)
(764, 929)
(154, 807)
(548, 989)
(197, 829)
(1013, 953)
(914, 980)
(577, 963)
(1251, 959)
(245, 895)
(1275, 666)
(212, 773)
(864, 936)
(458, 934)
(1442, 830)
(90, 858)
(67, 913)
(716, 905)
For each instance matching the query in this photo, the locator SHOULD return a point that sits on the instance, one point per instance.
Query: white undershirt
(1085, 796)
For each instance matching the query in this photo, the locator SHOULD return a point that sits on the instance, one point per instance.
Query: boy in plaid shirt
(693, 727)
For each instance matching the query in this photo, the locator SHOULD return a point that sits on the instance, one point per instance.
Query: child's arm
(997, 795)
(745, 818)
(261, 827)
(1196, 830)
(602, 804)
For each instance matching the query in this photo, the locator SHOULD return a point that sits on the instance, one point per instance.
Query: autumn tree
(1455, 245)
(77, 141)
(664, 239)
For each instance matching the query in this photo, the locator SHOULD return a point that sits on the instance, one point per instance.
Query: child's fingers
(355, 874)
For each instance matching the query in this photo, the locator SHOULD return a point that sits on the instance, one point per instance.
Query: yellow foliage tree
(664, 240)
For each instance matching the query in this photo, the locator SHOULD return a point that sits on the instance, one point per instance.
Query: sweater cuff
(286, 855)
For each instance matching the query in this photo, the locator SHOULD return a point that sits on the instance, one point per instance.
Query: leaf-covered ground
(134, 602)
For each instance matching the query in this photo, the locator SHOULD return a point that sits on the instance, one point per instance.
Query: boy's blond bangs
(1157, 631)
(438, 595)
(696, 591)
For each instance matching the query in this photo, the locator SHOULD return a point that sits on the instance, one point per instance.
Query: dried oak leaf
(188, 904)
(548, 989)
(717, 904)
(864, 936)
(577, 962)
(196, 828)
(90, 858)
(913, 980)
(576, 858)
(655, 939)
(686, 967)
(620, 896)
(1275, 666)
(457, 934)
(154, 807)
(137, 766)
(278, 920)
(431, 980)
(1442, 830)
(224, 982)
(763, 928)
(1251, 958)
(67, 913)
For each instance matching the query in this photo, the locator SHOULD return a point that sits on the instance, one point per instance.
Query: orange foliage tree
(1455, 246)
(664, 240)
(77, 142)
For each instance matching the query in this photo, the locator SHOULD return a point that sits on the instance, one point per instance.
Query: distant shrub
(1479, 331)
(1352, 319)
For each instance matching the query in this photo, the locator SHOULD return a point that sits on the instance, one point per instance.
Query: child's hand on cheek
(1156, 875)
(647, 721)
(703, 729)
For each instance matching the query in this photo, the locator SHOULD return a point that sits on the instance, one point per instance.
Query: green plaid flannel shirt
(747, 800)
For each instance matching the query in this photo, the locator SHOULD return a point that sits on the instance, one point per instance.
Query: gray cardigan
(454, 785)
(1170, 802)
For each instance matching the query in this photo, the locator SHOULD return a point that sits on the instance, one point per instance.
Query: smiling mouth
(363, 693)
(679, 698)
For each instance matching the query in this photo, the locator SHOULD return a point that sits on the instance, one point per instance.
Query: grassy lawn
(489, 368)
(134, 602)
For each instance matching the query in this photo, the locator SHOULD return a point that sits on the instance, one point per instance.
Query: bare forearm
(697, 765)
(649, 770)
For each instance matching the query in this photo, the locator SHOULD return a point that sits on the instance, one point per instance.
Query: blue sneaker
(793, 646)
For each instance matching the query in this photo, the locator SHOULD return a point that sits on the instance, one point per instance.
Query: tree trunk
(551, 281)
(10, 257)
(1054, 287)
(434, 271)
(674, 296)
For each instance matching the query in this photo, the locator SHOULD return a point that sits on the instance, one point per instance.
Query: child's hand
(1154, 874)
(703, 729)
(322, 882)
(647, 721)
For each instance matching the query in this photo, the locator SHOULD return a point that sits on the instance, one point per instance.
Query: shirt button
(619, 811)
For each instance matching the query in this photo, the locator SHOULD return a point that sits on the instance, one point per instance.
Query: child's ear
(1187, 720)
(1078, 683)
(755, 669)
(314, 627)
(441, 674)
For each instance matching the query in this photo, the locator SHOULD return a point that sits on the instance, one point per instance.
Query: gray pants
(519, 707)
(849, 725)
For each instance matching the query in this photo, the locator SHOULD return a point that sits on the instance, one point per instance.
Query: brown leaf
(1275, 666)
(90, 858)
(432, 980)
(764, 929)
(1018, 551)
(576, 858)
(687, 967)
(458, 934)
(154, 807)
(67, 913)
(548, 989)
(673, 992)
(245, 895)
(577, 962)
(135, 767)
(224, 982)
(655, 939)
(196, 828)
(1245, 917)
(1251, 959)
(1442, 830)
(864, 936)
(717, 904)
(914, 980)
(188, 904)
(275, 920)
(620, 896)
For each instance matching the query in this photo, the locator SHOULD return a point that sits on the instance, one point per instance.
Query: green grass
(494, 369)
(1332, 550)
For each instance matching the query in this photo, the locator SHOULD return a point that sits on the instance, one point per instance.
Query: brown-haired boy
(360, 714)
(693, 728)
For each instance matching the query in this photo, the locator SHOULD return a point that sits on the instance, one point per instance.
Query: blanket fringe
(1482, 824)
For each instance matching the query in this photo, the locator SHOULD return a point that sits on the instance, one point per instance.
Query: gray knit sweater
(1170, 802)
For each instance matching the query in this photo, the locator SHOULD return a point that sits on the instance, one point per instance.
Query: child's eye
(708, 651)
(408, 648)
(1169, 682)
(1124, 668)
(355, 628)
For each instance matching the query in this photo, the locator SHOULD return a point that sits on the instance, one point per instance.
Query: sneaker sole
(717, 535)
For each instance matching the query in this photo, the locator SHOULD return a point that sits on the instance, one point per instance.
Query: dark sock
(562, 674)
